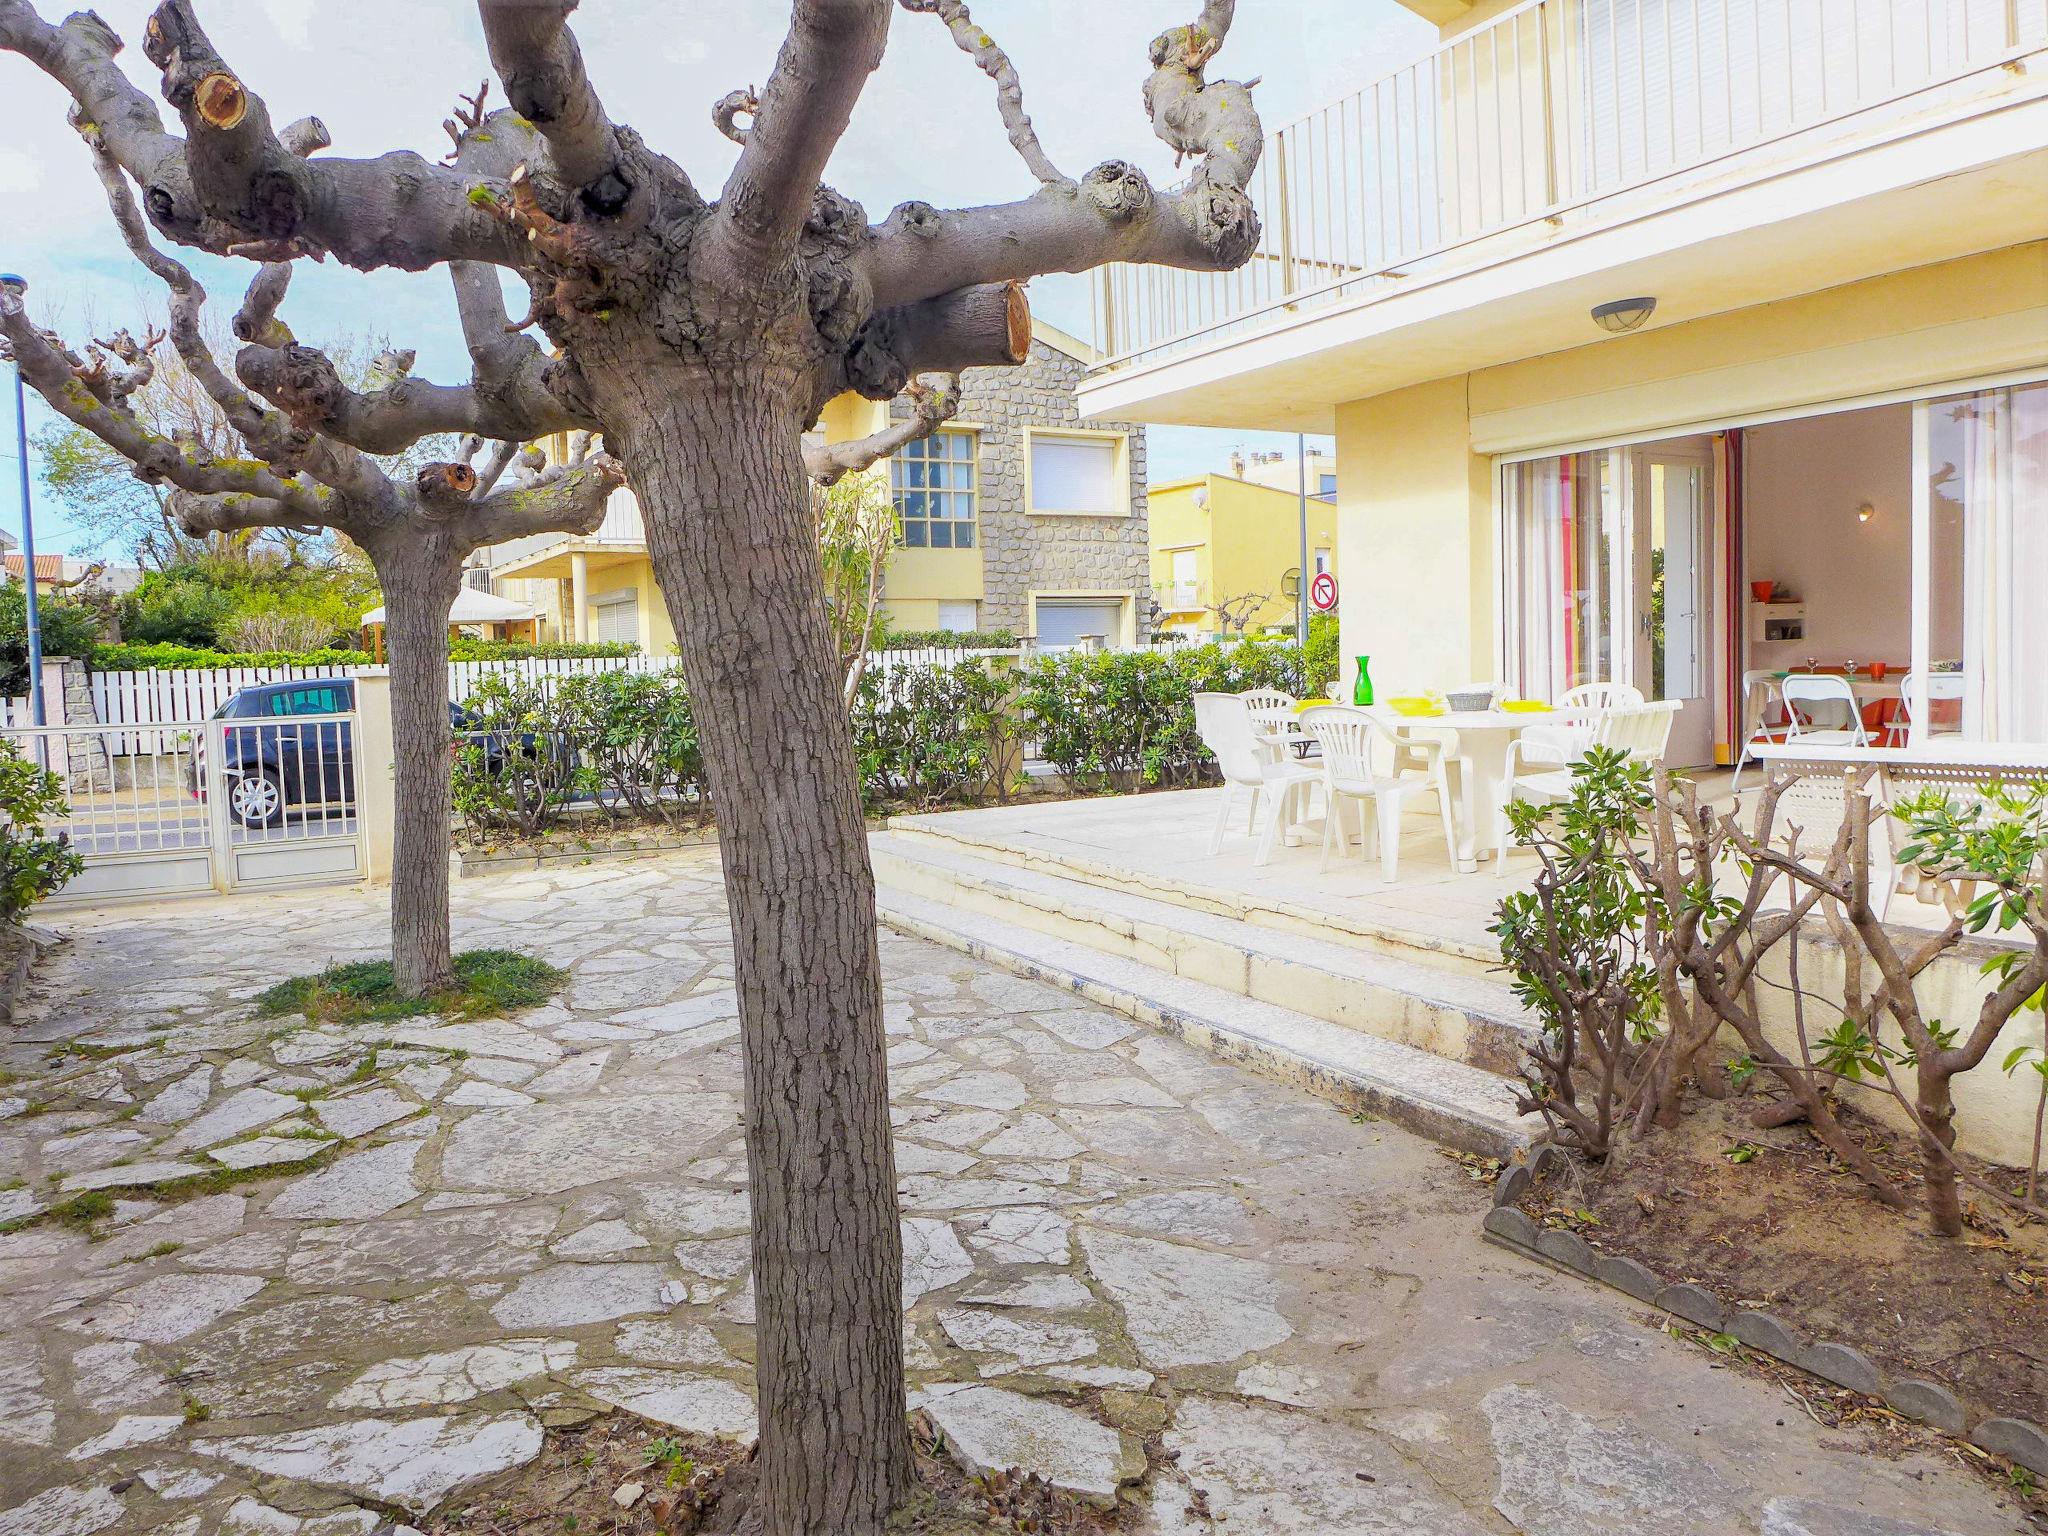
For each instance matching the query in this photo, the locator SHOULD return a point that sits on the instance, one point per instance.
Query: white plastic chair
(1273, 715)
(1827, 691)
(1347, 737)
(1759, 697)
(1562, 737)
(1640, 731)
(1224, 722)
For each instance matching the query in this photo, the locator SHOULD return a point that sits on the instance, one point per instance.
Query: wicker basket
(1471, 700)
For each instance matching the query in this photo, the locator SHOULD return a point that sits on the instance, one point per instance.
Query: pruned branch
(537, 57)
(730, 108)
(932, 406)
(832, 48)
(236, 511)
(1111, 214)
(566, 500)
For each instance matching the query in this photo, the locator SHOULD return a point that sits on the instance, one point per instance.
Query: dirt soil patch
(692, 1484)
(1770, 1219)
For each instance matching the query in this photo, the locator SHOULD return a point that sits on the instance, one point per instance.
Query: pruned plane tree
(700, 331)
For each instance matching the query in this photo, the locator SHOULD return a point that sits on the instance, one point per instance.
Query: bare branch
(156, 459)
(832, 48)
(537, 57)
(231, 513)
(565, 501)
(993, 62)
(933, 406)
(303, 382)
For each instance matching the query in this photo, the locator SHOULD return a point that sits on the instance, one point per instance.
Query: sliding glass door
(1566, 571)
(1980, 650)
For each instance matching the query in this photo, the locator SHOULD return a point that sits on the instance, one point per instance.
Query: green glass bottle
(1361, 691)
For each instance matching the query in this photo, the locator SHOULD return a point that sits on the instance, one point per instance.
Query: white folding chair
(1760, 697)
(1640, 731)
(1821, 690)
(1898, 731)
(1248, 763)
(1347, 737)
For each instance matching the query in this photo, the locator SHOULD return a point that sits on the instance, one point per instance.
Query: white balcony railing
(1554, 105)
(1179, 597)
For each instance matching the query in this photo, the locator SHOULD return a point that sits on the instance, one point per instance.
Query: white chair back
(1346, 736)
(1826, 690)
(1224, 723)
(1642, 731)
(1269, 706)
(1599, 696)
(1759, 698)
(1940, 685)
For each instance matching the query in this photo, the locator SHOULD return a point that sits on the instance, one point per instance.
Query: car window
(320, 699)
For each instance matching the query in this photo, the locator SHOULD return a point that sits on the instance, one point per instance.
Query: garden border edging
(1841, 1365)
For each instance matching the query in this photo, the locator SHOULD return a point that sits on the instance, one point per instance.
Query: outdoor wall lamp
(1865, 512)
(1619, 315)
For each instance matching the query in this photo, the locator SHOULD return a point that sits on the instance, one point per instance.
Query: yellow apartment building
(1226, 553)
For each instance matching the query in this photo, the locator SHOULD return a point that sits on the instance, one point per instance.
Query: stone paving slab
(1107, 1235)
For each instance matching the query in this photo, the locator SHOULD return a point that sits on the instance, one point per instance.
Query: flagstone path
(430, 1252)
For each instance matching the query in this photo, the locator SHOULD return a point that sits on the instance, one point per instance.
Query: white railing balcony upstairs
(1179, 596)
(622, 524)
(1552, 106)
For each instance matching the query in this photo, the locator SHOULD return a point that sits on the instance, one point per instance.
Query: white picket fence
(158, 698)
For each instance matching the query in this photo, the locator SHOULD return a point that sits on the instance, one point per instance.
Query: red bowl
(1762, 590)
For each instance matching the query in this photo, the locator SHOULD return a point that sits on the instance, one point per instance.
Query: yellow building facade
(1226, 553)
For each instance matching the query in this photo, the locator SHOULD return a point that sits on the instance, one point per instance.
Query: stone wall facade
(1023, 552)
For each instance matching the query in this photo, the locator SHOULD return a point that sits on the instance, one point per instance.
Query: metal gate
(216, 805)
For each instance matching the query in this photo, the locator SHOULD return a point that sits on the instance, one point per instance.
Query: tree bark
(717, 461)
(420, 582)
(1937, 1113)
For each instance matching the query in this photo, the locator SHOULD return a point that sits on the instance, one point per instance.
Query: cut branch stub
(221, 100)
(446, 482)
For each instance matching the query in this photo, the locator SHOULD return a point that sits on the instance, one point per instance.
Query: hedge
(1118, 720)
(463, 648)
(949, 640)
(166, 656)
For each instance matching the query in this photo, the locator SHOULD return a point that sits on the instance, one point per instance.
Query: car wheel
(257, 799)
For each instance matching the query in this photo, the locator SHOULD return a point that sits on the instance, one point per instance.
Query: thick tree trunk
(717, 462)
(420, 583)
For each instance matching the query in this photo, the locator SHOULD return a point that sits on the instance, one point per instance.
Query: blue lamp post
(19, 285)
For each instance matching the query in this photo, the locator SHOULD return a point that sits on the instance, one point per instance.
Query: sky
(383, 74)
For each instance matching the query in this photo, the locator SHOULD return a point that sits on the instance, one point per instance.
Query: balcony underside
(1928, 193)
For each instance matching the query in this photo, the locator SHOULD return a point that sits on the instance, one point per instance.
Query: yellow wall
(1248, 538)
(1415, 478)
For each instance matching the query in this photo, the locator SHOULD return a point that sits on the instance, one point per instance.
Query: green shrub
(1118, 720)
(166, 657)
(33, 864)
(70, 628)
(1320, 662)
(467, 648)
(168, 609)
(517, 768)
(949, 640)
(635, 734)
(936, 735)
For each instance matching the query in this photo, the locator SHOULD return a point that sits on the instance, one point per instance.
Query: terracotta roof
(48, 567)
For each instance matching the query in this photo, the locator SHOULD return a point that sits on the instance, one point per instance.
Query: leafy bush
(468, 648)
(517, 767)
(240, 604)
(949, 640)
(1320, 662)
(167, 609)
(635, 735)
(141, 658)
(1115, 720)
(70, 628)
(33, 864)
(936, 735)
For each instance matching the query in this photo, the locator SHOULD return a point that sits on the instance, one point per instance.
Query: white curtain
(2001, 479)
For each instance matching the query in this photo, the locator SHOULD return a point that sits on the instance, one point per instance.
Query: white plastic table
(1478, 748)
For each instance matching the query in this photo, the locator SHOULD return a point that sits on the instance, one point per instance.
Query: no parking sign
(1322, 592)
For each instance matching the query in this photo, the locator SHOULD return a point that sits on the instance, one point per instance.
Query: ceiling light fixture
(1619, 315)
(1865, 512)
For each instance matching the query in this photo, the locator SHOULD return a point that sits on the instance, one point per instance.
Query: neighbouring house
(1015, 515)
(1282, 471)
(67, 573)
(1226, 552)
(1675, 344)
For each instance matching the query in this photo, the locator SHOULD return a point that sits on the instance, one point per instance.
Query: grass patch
(83, 1210)
(487, 982)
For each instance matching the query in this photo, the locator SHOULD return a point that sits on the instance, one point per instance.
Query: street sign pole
(1301, 597)
(19, 285)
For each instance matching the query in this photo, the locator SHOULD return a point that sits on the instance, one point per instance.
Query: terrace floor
(446, 1232)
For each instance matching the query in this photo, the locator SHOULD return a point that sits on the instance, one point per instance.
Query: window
(1322, 561)
(933, 483)
(1078, 475)
(319, 699)
(615, 617)
(1327, 488)
(1065, 623)
(960, 618)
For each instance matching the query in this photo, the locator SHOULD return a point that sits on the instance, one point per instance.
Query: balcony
(1564, 118)
(1179, 597)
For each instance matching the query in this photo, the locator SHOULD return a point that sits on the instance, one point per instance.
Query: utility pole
(1301, 594)
(19, 285)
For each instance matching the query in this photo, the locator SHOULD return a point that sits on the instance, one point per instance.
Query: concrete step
(1448, 1102)
(1472, 1020)
(1349, 929)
